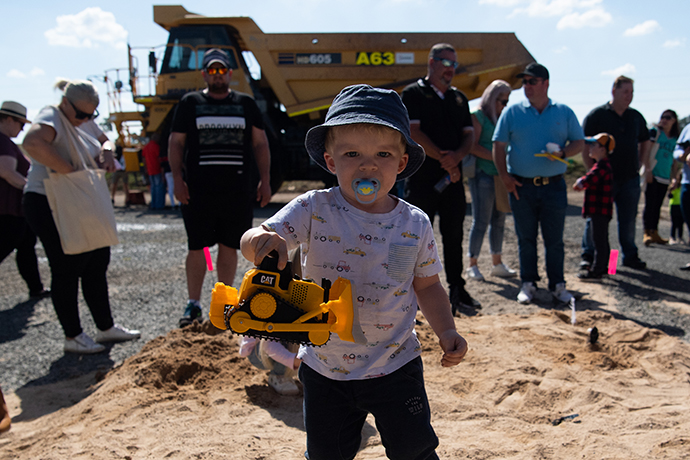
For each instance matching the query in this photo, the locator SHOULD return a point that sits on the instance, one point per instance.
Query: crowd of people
(514, 159)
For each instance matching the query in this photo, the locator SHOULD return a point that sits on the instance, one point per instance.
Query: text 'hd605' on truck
(300, 73)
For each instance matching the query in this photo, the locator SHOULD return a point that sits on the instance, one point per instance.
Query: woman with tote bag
(64, 205)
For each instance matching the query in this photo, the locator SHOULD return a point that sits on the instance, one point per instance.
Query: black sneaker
(635, 263)
(590, 277)
(191, 313)
(460, 297)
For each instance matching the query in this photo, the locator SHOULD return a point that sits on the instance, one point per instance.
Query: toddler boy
(386, 248)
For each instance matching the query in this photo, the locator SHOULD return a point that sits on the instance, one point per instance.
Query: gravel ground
(148, 292)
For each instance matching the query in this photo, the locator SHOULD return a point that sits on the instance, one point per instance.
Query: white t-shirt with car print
(380, 254)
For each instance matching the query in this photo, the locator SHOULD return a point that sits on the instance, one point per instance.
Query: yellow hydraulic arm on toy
(272, 304)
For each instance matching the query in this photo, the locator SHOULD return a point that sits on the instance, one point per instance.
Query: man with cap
(217, 137)
(440, 122)
(531, 142)
(14, 231)
(629, 128)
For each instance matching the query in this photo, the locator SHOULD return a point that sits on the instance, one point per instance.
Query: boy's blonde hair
(366, 127)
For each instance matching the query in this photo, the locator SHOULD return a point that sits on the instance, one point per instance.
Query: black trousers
(67, 270)
(16, 234)
(450, 205)
(600, 235)
(653, 199)
(677, 221)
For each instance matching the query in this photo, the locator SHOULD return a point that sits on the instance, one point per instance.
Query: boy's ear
(403, 162)
(329, 162)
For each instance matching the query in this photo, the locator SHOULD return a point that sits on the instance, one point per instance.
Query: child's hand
(454, 348)
(578, 185)
(258, 243)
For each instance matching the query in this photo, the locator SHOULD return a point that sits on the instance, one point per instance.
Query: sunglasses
(79, 115)
(666, 117)
(503, 102)
(447, 62)
(531, 81)
(219, 70)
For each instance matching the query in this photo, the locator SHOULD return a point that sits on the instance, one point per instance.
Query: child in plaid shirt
(598, 204)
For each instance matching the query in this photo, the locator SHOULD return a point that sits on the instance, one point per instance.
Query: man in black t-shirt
(217, 137)
(440, 121)
(629, 128)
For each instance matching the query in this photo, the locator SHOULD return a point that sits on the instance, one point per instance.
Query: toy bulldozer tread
(273, 305)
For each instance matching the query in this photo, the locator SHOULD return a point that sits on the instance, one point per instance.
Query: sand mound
(531, 387)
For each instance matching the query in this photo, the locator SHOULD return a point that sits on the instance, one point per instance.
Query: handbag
(469, 166)
(80, 201)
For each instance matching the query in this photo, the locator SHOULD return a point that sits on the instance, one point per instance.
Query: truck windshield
(187, 44)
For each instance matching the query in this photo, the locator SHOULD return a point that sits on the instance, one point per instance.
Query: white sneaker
(473, 273)
(283, 384)
(117, 333)
(526, 293)
(502, 271)
(561, 293)
(83, 344)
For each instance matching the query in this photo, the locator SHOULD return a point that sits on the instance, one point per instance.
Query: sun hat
(365, 104)
(534, 70)
(14, 109)
(215, 55)
(605, 139)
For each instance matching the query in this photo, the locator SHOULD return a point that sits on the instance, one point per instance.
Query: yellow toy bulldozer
(272, 304)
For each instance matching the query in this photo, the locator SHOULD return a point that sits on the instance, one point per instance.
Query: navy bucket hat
(365, 104)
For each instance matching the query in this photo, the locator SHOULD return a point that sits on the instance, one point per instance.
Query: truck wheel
(263, 305)
(239, 322)
(318, 338)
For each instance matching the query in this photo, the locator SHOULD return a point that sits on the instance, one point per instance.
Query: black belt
(539, 180)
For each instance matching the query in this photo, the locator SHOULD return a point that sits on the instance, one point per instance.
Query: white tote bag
(80, 201)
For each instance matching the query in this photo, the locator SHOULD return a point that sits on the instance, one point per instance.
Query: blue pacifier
(365, 188)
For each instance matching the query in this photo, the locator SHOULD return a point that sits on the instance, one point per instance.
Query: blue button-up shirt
(526, 131)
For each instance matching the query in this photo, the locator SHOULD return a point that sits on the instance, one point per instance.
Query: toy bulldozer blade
(272, 305)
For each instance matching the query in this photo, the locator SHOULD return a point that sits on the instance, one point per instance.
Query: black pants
(677, 221)
(66, 271)
(600, 235)
(653, 199)
(16, 234)
(450, 205)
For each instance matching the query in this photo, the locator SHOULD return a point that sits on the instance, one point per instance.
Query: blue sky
(584, 43)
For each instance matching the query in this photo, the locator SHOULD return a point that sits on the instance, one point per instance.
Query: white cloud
(644, 28)
(596, 17)
(561, 50)
(626, 69)
(574, 14)
(501, 3)
(675, 43)
(87, 29)
(551, 8)
(35, 72)
(14, 73)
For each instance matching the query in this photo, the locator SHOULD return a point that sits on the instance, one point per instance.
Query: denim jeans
(157, 191)
(335, 412)
(626, 196)
(543, 205)
(485, 214)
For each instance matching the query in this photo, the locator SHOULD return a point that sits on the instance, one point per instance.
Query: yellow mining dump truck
(300, 74)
